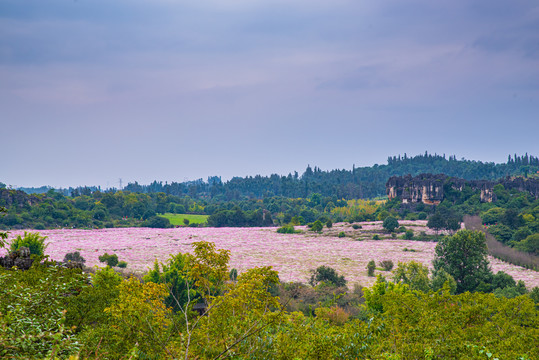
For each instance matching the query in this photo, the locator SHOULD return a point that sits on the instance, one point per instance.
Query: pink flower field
(291, 255)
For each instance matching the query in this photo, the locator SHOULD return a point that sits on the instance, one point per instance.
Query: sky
(93, 91)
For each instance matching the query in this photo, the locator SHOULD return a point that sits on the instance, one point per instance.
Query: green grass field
(177, 219)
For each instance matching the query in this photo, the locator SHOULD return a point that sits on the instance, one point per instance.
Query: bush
(371, 266)
(39, 226)
(122, 264)
(356, 226)
(329, 224)
(33, 241)
(157, 222)
(387, 265)
(73, 257)
(287, 229)
(408, 235)
(317, 226)
(111, 260)
(376, 237)
(327, 274)
(342, 234)
(422, 216)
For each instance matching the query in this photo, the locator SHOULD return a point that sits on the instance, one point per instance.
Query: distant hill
(363, 182)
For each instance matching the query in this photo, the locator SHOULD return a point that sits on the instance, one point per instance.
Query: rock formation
(429, 188)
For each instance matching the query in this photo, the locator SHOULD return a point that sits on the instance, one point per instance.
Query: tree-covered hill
(362, 182)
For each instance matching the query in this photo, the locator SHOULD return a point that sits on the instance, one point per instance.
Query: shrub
(111, 260)
(342, 234)
(422, 216)
(376, 237)
(39, 226)
(186, 221)
(336, 315)
(329, 224)
(317, 226)
(401, 229)
(386, 264)
(408, 235)
(33, 241)
(371, 266)
(122, 264)
(327, 274)
(74, 257)
(287, 229)
(157, 222)
(356, 226)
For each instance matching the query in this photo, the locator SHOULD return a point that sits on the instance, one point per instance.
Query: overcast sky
(96, 90)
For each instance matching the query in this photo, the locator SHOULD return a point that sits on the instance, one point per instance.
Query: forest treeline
(358, 183)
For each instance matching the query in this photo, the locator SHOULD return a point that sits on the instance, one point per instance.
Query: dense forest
(358, 183)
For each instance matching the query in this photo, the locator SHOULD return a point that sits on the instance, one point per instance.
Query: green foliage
(87, 309)
(158, 222)
(356, 226)
(32, 317)
(408, 235)
(390, 224)
(329, 224)
(493, 215)
(173, 274)
(443, 279)
(110, 260)
(122, 264)
(74, 257)
(376, 237)
(413, 274)
(501, 232)
(233, 275)
(287, 229)
(371, 266)
(137, 320)
(341, 234)
(529, 244)
(239, 218)
(34, 241)
(387, 265)
(327, 275)
(317, 226)
(464, 256)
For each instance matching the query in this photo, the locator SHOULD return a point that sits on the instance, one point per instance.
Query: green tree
(464, 256)
(328, 275)
(317, 226)
(436, 222)
(390, 224)
(110, 260)
(371, 266)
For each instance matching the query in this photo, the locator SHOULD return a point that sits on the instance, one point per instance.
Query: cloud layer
(96, 90)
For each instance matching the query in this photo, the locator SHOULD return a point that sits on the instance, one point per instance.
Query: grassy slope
(177, 219)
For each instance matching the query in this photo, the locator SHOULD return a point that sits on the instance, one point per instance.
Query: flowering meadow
(292, 255)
